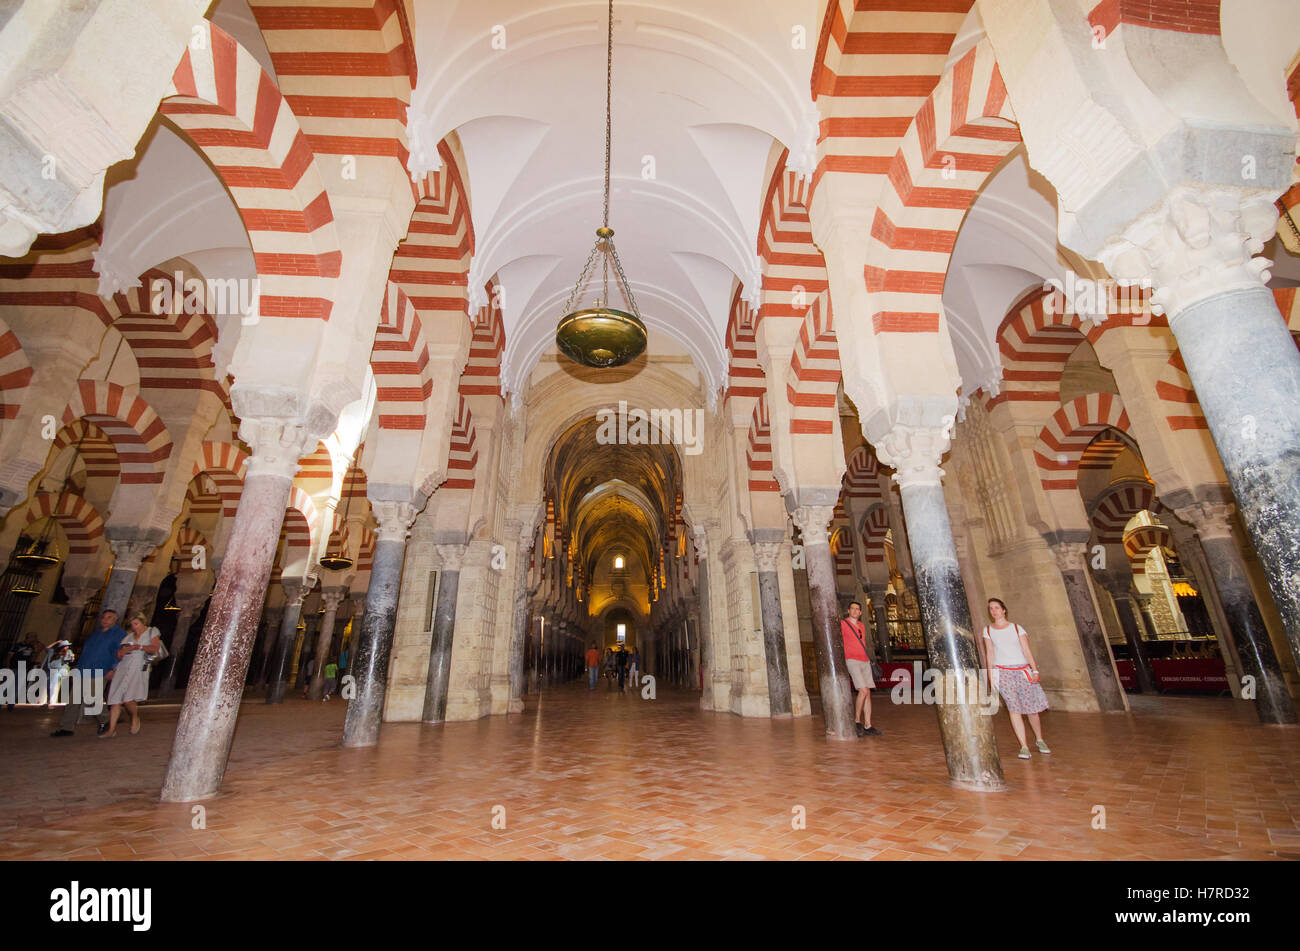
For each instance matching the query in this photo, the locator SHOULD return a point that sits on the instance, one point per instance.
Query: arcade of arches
(946, 305)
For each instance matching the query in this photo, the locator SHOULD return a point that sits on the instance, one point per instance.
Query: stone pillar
(189, 607)
(1119, 584)
(1198, 248)
(968, 741)
(701, 541)
(331, 598)
(207, 721)
(766, 554)
(519, 617)
(294, 594)
(1071, 558)
(369, 661)
(444, 631)
(881, 611)
(832, 672)
(78, 591)
(1213, 523)
(128, 555)
(272, 617)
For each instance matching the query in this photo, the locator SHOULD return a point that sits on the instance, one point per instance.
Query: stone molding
(914, 452)
(1201, 241)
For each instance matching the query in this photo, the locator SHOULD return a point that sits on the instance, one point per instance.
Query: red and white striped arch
(960, 134)
(233, 112)
(346, 70)
(138, 435)
(758, 457)
(81, 523)
(1104, 449)
(315, 472)
(431, 264)
(875, 526)
(300, 520)
(95, 449)
(463, 454)
(1062, 441)
(226, 465)
(188, 539)
(841, 534)
(745, 377)
(202, 501)
(862, 476)
(1116, 508)
(15, 373)
(173, 351)
(1139, 542)
(400, 363)
(482, 373)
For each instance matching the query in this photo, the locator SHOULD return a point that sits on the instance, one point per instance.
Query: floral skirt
(1019, 694)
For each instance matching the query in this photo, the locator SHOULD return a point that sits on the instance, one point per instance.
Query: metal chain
(622, 280)
(609, 100)
(582, 279)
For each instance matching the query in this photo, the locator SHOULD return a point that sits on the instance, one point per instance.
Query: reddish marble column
(331, 598)
(207, 720)
(519, 619)
(832, 672)
(368, 664)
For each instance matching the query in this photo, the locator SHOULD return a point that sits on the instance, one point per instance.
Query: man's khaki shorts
(860, 671)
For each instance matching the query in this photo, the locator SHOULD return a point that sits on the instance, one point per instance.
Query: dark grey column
(1213, 522)
(188, 608)
(368, 664)
(881, 612)
(766, 553)
(294, 593)
(832, 672)
(128, 555)
(1119, 584)
(968, 741)
(78, 591)
(1071, 558)
(271, 640)
(331, 598)
(201, 744)
(701, 543)
(519, 619)
(444, 629)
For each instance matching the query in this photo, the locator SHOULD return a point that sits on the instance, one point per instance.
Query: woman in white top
(1015, 675)
(130, 683)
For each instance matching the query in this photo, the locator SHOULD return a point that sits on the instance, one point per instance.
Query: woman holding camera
(130, 683)
(1015, 675)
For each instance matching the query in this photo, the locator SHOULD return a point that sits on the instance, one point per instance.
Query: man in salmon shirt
(593, 666)
(854, 633)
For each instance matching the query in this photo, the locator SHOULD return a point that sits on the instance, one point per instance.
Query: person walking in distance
(1014, 674)
(634, 668)
(620, 666)
(854, 634)
(593, 666)
(98, 658)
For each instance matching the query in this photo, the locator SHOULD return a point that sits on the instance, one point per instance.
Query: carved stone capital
(277, 445)
(1070, 556)
(79, 590)
(701, 542)
(129, 553)
(766, 555)
(452, 556)
(295, 591)
(331, 598)
(1210, 519)
(1199, 242)
(395, 519)
(914, 452)
(814, 522)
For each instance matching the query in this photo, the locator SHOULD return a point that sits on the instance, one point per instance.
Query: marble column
(369, 662)
(766, 555)
(1072, 560)
(189, 607)
(1120, 584)
(1213, 523)
(78, 591)
(832, 672)
(1198, 248)
(294, 593)
(270, 640)
(128, 555)
(519, 616)
(444, 631)
(207, 720)
(881, 612)
(331, 598)
(968, 740)
(701, 541)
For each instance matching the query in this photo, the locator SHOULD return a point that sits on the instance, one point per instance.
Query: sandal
(1024, 752)
(135, 727)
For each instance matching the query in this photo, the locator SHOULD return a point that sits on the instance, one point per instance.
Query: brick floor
(601, 776)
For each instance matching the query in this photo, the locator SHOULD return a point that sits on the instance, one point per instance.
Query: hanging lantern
(336, 556)
(26, 584)
(601, 335)
(37, 553)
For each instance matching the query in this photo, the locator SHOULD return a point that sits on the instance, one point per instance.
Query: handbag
(877, 672)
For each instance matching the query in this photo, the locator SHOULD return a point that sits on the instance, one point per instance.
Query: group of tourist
(1009, 661)
(619, 664)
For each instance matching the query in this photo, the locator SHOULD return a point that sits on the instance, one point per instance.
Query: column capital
(766, 555)
(914, 452)
(331, 598)
(296, 591)
(277, 444)
(1070, 555)
(452, 556)
(395, 519)
(1200, 241)
(129, 553)
(700, 539)
(79, 590)
(814, 522)
(1210, 519)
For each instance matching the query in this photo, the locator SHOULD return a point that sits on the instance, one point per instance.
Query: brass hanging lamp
(336, 557)
(600, 335)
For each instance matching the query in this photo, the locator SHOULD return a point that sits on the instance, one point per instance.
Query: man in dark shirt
(98, 656)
